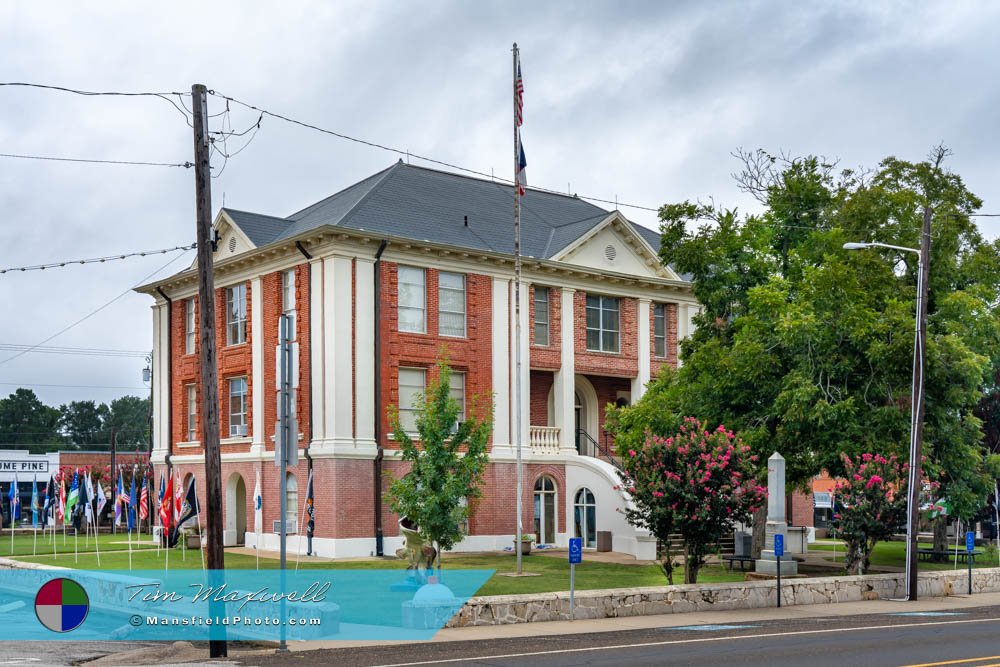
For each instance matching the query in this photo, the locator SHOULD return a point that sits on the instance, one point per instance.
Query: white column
(257, 352)
(364, 357)
(642, 332)
(525, 368)
(500, 341)
(317, 321)
(161, 379)
(564, 389)
(339, 390)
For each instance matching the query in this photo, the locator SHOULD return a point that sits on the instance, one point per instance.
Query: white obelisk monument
(776, 523)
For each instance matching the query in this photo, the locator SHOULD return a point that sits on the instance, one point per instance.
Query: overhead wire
(186, 165)
(75, 351)
(97, 260)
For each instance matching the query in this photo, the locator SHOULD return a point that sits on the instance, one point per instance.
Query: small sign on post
(779, 551)
(575, 556)
(970, 546)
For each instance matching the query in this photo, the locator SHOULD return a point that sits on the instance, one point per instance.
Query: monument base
(768, 564)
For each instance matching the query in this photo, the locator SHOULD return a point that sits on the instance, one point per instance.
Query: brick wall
(607, 389)
(541, 385)
(670, 315)
(621, 364)
(471, 355)
(801, 509)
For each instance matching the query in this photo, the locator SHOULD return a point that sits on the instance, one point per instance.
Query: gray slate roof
(429, 205)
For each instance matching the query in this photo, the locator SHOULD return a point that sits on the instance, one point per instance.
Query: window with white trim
(236, 314)
(411, 392)
(412, 299)
(192, 413)
(237, 407)
(189, 326)
(288, 300)
(541, 315)
(456, 390)
(659, 330)
(603, 320)
(451, 304)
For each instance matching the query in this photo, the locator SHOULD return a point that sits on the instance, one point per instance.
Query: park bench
(742, 559)
(941, 556)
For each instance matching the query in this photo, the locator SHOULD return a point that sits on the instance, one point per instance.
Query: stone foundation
(505, 609)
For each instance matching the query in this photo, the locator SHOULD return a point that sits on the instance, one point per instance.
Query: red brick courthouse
(380, 277)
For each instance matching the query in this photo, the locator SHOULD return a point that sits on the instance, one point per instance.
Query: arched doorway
(585, 517)
(545, 510)
(236, 511)
(586, 415)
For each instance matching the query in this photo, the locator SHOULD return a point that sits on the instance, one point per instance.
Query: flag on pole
(189, 510)
(102, 499)
(121, 498)
(144, 502)
(83, 501)
(73, 499)
(258, 506)
(310, 509)
(34, 502)
(132, 502)
(166, 493)
(519, 95)
(61, 507)
(15, 500)
(48, 503)
(178, 497)
(522, 163)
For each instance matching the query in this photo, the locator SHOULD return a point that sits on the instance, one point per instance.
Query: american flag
(123, 496)
(144, 502)
(519, 95)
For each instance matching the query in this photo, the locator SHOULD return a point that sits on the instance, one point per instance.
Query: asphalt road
(965, 639)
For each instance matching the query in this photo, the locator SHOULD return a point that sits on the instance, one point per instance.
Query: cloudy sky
(642, 102)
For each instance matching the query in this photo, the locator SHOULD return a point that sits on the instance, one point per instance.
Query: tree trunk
(692, 563)
(941, 533)
(759, 525)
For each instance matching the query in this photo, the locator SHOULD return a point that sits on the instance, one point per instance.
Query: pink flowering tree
(697, 483)
(871, 500)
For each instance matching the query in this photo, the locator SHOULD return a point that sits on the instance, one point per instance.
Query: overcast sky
(643, 102)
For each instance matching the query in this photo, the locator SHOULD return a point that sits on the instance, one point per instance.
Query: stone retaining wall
(505, 609)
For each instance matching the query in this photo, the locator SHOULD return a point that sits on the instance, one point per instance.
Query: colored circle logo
(61, 605)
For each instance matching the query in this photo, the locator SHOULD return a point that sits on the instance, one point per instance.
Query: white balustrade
(544, 439)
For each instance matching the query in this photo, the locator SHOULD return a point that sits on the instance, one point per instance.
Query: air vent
(232, 244)
(610, 253)
(291, 526)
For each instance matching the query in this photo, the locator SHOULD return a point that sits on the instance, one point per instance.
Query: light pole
(916, 399)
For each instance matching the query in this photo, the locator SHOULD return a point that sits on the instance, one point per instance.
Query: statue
(416, 550)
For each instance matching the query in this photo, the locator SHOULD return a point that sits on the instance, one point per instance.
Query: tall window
(659, 330)
(412, 300)
(192, 413)
(545, 510)
(236, 314)
(451, 304)
(189, 326)
(541, 316)
(288, 300)
(585, 517)
(456, 390)
(602, 323)
(237, 407)
(291, 502)
(411, 390)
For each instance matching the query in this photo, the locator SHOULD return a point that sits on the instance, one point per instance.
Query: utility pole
(209, 369)
(114, 472)
(917, 408)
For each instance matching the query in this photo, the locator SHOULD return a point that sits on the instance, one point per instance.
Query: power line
(98, 260)
(79, 351)
(91, 313)
(72, 386)
(186, 165)
(88, 93)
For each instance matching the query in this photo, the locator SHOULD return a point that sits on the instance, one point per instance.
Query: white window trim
(409, 408)
(462, 403)
(548, 316)
(465, 305)
(663, 309)
(189, 326)
(423, 298)
(288, 304)
(601, 330)
(241, 323)
(191, 427)
(245, 397)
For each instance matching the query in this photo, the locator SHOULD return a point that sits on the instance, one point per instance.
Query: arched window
(585, 517)
(291, 502)
(545, 510)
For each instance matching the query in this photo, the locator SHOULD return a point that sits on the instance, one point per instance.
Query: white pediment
(612, 245)
(232, 240)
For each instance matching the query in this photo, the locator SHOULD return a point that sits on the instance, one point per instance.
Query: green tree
(129, 416)
(447, 460)
(805, 348)
(24, 419)
(83, 422)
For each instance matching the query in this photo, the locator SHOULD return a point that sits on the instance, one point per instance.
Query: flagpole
(201, 546)
(517, 318)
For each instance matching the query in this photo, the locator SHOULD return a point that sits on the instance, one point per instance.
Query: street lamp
(916, 404)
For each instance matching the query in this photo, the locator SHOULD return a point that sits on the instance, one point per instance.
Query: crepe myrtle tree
(696, 483)
(447, 457)
(872, 501)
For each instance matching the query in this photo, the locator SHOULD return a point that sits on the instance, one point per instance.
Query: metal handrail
(597, 450)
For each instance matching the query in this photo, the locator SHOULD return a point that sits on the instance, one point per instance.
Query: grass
(24, 543)
(552, 571)
(893, 554)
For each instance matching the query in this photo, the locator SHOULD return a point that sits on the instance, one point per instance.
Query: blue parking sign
(970, 541)
(779, 545)
(575, 550)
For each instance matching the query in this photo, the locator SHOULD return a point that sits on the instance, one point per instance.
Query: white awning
(822, 500)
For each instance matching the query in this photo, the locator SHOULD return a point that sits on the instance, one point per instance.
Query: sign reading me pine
(24, 466)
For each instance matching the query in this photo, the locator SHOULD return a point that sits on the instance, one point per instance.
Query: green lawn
(894, 554)
(25, 542)
(553, 570)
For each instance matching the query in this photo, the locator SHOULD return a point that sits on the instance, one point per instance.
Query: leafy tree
(696, 483)
(805, 348)
(129, 416)
(82, 422)
(873, 498)
(24, 419)
(446, 467)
